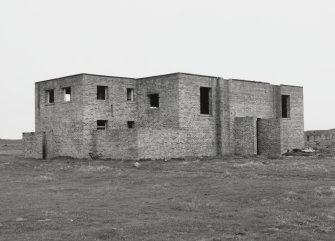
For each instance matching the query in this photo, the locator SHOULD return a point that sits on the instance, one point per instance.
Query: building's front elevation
(165, 116)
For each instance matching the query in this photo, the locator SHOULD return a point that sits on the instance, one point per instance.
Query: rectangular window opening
(50, 96)
(130, 94)
(307, 138)
(101, 92)
(285, 106)
(67, 94)
(205, 100)
(102, 124)
(130, 124)
(154, 100)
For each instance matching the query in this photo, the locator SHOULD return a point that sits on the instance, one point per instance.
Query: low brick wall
(269, 136)
(33, 145)
(320, 138)
(54, 145)
(245, 132)
(170, 143)
(114, 144)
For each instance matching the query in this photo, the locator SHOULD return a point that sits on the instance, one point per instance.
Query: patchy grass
(204, 199)
(10, 147)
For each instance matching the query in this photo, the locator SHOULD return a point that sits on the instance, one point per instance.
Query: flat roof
(163, 75)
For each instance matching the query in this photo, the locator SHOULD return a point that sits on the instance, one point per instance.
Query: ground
(207, 199)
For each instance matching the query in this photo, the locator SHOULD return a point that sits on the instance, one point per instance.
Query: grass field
(230, 198)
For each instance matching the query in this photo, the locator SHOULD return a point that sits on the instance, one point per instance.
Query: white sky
(282, 42)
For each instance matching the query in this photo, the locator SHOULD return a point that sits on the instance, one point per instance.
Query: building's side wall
(63, 119)
(243, 99)
(166, 116)
(115, 109)
(245, 135)
(293, 127)
(269, 136)
(200, 130)
(224, 115)
(32, 145)
(262, 100)
(159, 135)
(50, 116)
(320, 139)
(249, 98)
(177, 128)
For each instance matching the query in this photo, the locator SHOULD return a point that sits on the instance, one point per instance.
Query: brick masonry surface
(245, 133)
(320, 138)
(245, 117)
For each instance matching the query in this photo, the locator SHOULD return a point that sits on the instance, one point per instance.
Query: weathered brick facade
(163, 116)
(320, 138)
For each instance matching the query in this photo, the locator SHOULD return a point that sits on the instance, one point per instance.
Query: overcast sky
(282, 42)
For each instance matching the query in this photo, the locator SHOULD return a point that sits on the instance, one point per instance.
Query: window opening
(154, 100)
(130, 124)
(130, 94)
(285, 105)
(50, 96)
(102, 124)
(205, 100)
(67, 94)
(101, 92)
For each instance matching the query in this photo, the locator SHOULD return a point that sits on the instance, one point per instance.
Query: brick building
(171, 115)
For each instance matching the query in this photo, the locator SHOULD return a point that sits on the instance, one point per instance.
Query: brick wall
(115, 144)
(63, 119)
(168, 143)
(166, 116)
(247, 98)
(200, 130)
(49, 115)
(269, 136)
(320, 138)
(94, 109)
(293, 127)
(32, 145)
(245, 135)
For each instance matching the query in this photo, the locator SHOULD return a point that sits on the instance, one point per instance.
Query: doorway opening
(44, 146)
(257, 136)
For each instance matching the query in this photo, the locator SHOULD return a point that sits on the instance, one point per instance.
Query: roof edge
(296, 86)
(165, 75)
(319, 130)
(252, 81)
(177, 73)
(83, 74)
